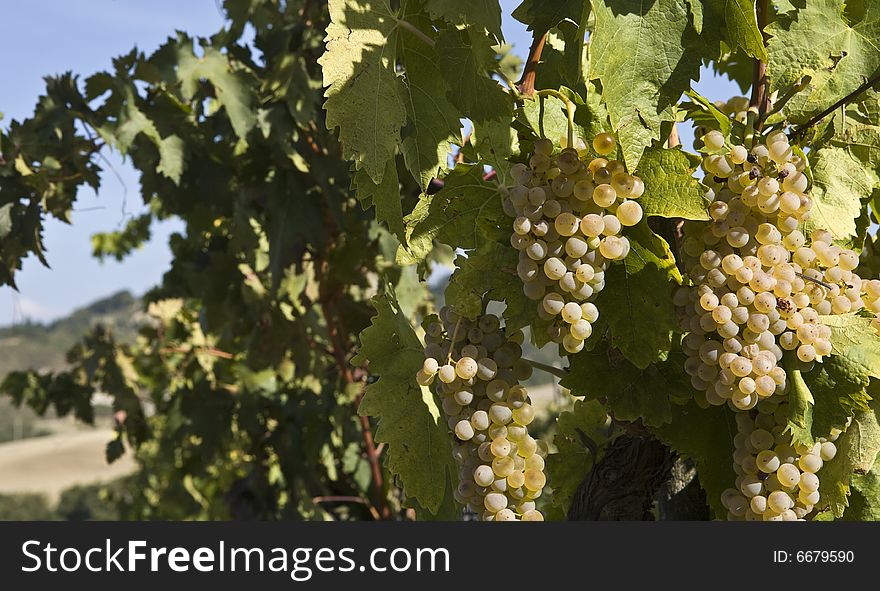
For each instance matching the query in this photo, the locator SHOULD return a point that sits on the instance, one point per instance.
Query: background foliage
(315, 155)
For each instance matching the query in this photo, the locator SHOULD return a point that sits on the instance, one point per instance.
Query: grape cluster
(476, 371)
(775, 480)
(760, 286)
(567, 229)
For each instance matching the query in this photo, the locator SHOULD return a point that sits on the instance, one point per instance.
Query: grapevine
(379, 227)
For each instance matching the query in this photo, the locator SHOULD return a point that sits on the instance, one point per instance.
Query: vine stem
(336, 330)
(416, 31)
(760, 85)
(452, 341)
(845, 100)
(816, 281)
(370, 448)
(674, 139)
(569, 109)
(526, 84)
(556, 371)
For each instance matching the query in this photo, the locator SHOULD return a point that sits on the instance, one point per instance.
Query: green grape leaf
(5, 220)
(408, 419)
(171, 158)
(856, 130)
(835, 389)
(863, 144)
(467, 60)
(543, 15)
(702, 111)
(509, 63)
(864, 499)
(364, 98)
(853, 337)
(292, 221)
(454, 215)
(412, 294)
(645, 55)
(834, 45)
(629, 392)
(706, 436)
(564, 59)
(742, 28)
(840, 183)
(491, 269)
(800, 405)
(384, 196)
(573, 460)
(591, 116)
(837, 386)
(433, 123)
(857, 451)
(708, 17)
(546, 116)
(130, 122)
(468, 13)
(232, 89)
(120, 243)
(637, 300)
(670, 187)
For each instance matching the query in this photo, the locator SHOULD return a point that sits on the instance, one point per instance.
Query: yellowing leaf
(363, 91)
(840, 183)
(670, 188)
(835, 44)
(645, 54)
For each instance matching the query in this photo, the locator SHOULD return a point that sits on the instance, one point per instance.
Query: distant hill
(33, 345)
(43, 346)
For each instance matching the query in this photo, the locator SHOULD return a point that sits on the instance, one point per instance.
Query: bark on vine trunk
(622, 485)
(640, 479)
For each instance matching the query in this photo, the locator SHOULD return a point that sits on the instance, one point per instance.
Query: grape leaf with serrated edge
(670, 188)
(835, 44)
(571, 463)
(645, 55)
(637, 300)
(363, 92)
(408, 418)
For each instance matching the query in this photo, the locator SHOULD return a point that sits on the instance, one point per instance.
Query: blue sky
(43, 37)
